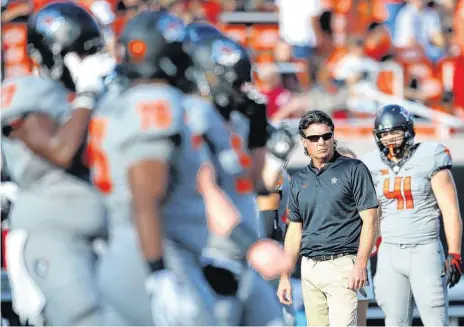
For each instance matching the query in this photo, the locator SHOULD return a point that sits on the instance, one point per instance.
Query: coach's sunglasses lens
(315, 138)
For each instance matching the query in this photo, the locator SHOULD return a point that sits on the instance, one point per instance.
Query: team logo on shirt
(41, 267)
(334, 180)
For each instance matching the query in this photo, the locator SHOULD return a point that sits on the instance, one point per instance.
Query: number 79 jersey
(146, 122)
(409, 210)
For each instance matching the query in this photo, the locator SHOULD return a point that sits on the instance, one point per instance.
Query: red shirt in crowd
(276, 98)
(458, 82)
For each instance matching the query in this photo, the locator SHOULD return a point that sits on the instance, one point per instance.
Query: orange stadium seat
(263, 37)
(17, 61)
(236, 32)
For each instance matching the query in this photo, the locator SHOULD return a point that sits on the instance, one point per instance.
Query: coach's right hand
(284, 292)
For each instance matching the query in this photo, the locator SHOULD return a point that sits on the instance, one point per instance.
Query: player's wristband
(156, 265)
(243, 236)
(84, 100)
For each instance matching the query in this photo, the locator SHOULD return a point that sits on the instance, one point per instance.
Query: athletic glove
(280, 142)
(452, 269)
(88, 76)
(171, 303)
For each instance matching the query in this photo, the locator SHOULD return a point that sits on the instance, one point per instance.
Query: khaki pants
(327, 299)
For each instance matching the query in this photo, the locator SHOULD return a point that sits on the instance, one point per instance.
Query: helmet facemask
(392, 150)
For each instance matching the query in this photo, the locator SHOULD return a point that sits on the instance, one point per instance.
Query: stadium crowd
(311, 55)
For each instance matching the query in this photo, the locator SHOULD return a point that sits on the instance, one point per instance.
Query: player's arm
(57, 144)
(265, 173)
(293, 237)
(444, 190)
(148, 180)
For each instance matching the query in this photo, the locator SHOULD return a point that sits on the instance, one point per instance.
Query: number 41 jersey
(409, 210)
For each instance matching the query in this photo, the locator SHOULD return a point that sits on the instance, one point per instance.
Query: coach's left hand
(452, 269)
(357, 278)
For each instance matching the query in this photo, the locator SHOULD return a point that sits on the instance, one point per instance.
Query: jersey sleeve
(24, 95)
(199, 114)
(442, 159)
(153, 126)
(293, 206)
(363, 188)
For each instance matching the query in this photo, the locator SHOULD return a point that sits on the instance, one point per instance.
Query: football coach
(333, 217)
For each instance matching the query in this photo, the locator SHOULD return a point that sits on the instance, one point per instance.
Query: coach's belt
(329, 257)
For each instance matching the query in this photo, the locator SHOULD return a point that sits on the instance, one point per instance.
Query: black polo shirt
(328, 202)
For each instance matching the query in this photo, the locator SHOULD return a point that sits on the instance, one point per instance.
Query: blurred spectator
(316, 98)
(282, 56)
(354, 66)
(210, 9)
(276, 94)
(105, 15)
(231, 5)
(458, 88)
(16, 11)
(418, 24)
(299, 25)
(378, 42)
(393, 8)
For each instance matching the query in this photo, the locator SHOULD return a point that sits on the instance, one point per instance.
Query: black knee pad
(222, 281)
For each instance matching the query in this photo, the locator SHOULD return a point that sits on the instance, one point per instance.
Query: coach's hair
(314, 117)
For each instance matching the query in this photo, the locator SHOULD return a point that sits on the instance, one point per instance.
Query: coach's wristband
(155, 265)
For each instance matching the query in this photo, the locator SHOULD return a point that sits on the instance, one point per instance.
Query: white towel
(28, 300)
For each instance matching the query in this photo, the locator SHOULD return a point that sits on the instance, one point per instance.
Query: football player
(221, 67)
(57, 213)
(146, 163)
(415, 187)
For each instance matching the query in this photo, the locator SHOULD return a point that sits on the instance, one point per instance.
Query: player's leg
(315, 302)
(121, 276)
(57, 257)
(428, 286)
(391, 285)
(186, 265)
(63, 267)
(262, 307)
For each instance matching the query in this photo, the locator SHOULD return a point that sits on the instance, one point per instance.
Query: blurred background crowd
(337, 55)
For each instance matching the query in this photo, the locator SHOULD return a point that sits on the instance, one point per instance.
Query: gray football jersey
(23, 95)
(409, 210)
(228, 153)
(147, 122)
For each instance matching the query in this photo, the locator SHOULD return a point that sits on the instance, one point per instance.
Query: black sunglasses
(316, 138)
